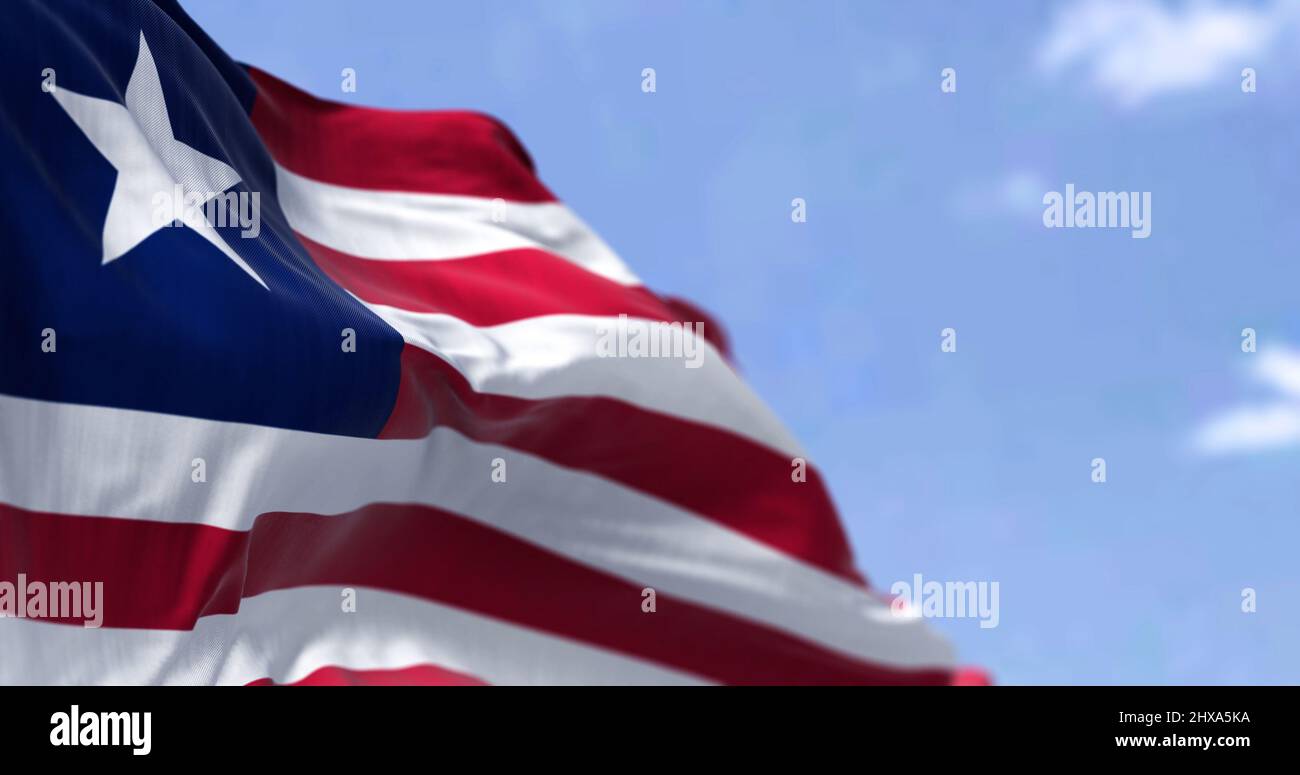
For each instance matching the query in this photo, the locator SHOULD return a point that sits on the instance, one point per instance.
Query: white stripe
(71, 459)
(556, 356)
(288, 634)
(400, 225)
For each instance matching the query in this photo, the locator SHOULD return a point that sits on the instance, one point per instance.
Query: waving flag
(321, 393)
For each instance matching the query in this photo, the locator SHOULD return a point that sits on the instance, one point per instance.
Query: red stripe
(438, 152)
(490, 289)
(706, 470)
(161, 575)
(416, 675)
(971, 676)
(494, 288)
(681, 309)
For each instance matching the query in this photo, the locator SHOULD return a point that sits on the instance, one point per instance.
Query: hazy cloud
(1132, 50)
(1015, 193)
(1259, 427)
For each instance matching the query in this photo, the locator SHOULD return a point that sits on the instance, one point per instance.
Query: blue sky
(924, 212)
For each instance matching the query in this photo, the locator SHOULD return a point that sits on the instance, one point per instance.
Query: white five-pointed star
(137, 140)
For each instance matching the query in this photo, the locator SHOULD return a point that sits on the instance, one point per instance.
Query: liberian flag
(320, 393)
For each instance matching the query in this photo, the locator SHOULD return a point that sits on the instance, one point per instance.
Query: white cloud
(1281, 369)
(1133, 50)
(1255, 428)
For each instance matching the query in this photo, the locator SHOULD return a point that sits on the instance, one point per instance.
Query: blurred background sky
(924, 212)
